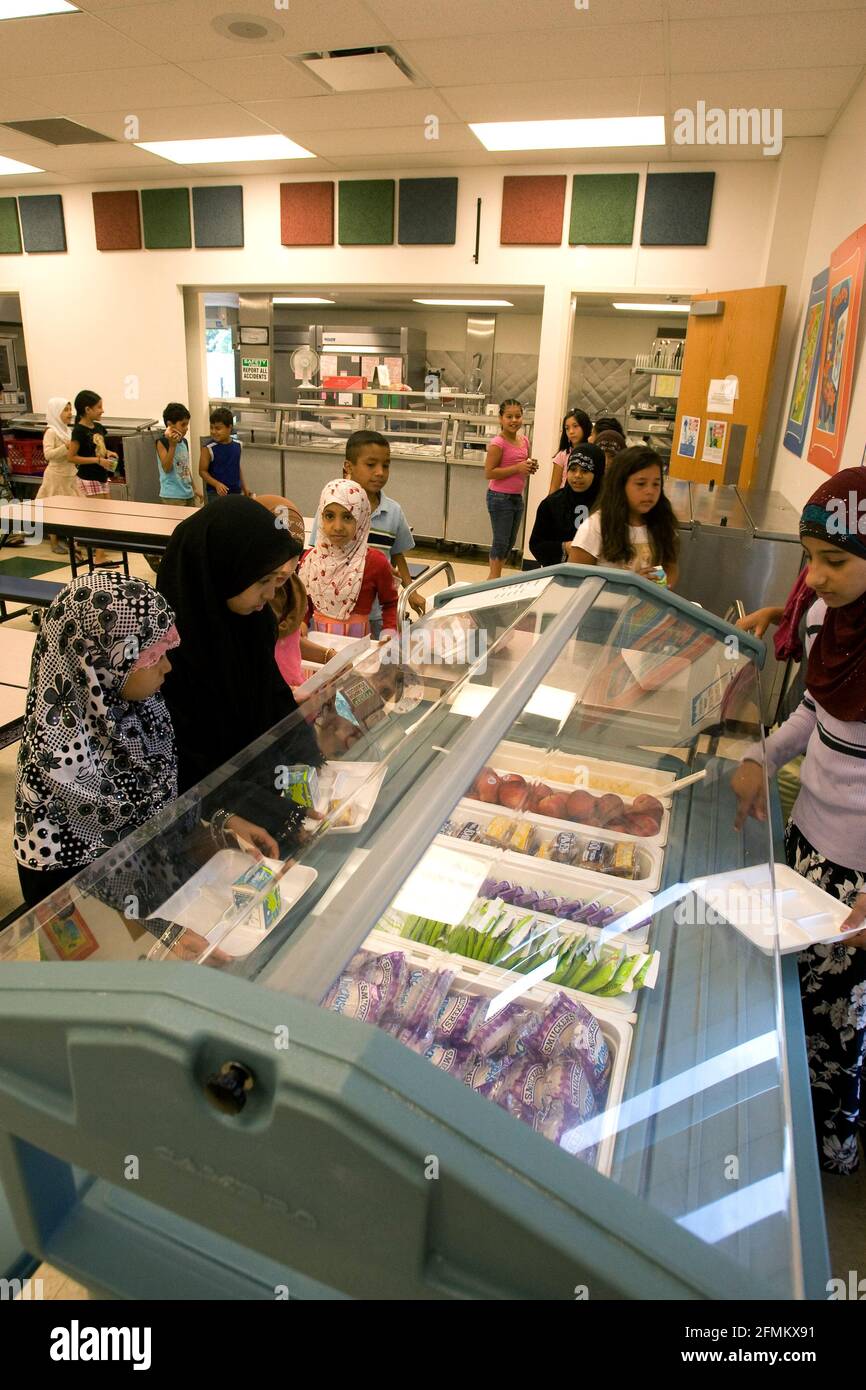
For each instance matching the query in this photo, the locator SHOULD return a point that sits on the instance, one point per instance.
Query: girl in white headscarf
(60, 478)
(342, 574)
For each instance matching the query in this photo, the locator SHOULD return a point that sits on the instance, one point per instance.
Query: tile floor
(844, 1198)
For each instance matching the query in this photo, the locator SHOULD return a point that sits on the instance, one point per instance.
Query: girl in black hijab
(558, 512)
(221, 569)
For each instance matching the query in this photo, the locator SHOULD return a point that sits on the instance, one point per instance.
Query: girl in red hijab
(825, 839)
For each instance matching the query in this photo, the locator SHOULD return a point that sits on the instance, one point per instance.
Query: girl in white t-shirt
(633, 526)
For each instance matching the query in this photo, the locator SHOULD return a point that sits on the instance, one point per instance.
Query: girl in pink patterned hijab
(341, 573)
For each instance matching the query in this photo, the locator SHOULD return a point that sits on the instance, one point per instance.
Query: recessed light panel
(588, 133)
(234, 150)
(14, 166)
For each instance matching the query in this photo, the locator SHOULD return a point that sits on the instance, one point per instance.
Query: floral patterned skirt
(833, 991)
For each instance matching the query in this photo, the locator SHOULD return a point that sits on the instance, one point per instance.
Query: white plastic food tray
(660, 839)
(489, 980)
(600, 775)
(649, 854)
(205, 904)
(357, 783)
(805, 914)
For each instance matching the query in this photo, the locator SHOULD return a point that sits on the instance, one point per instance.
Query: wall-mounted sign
(253, 336)
(255, 369)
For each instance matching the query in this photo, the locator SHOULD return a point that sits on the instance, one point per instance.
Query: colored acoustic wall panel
(218, 215)
(42, 225)
(532, 209)
(165, 214)
(676, 209)
(428, 212)
(10, 236)
(307, 214)
(602, 209)
(366, 212)
(116, 221)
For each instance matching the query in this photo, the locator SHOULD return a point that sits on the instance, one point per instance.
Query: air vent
(359, 69)
(247, 28)
(59, 132)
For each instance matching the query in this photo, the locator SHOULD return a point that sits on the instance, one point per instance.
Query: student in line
(290, 602)
(60, 478)
(219, 464)
(368, 463)
(602, 425)
(633, 526)
(342, 573)
(611, 442)
(172, 452)
(506, 468)
(89, 452)
(560, 514)
(825, 839)
(576, 429)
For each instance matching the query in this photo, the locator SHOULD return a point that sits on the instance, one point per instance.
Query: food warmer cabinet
(480, 1028)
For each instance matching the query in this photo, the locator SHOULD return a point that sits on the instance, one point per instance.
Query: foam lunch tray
(492, 982)
(797, 912)
(574, 770)
(354, 784)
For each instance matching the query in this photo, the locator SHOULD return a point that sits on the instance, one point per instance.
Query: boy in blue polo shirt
(368, 463)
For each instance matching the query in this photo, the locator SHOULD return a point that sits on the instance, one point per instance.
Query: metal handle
(445, 565)
(735, 611)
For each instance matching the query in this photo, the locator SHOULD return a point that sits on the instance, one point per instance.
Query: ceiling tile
(87, 161)
(404, 164)
(268, 77)
(557, 100)
(183, 33)
(183, 123)
(135, 89)
(203, 172)
(713, 9)
(391, 140)
(352, 111)
(629, 49)
(761, 42)
(68, 43)
(800, 123)
(741, 153)
(790, 88)
(470, 17)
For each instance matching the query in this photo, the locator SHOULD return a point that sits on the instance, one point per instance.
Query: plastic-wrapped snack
(525, 1083)
(595, 855)
(556, 1120)
(470, 830)
(522, 837)
(488, 1075)
(623, 861)
(491, 1035)
(387, 972)
(499, 831)
(566, 1082)
(448, 829)
(545, 850)
(588, 1045)
(447, 1058)
(422, 996)
(354, 998)
(565, 847)
(458, 1016)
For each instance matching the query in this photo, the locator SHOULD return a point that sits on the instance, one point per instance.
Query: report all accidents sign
(254, 369)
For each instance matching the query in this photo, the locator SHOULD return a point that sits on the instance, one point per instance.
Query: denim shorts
(506, 510)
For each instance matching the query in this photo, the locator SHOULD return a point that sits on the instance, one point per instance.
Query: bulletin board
(739, 342)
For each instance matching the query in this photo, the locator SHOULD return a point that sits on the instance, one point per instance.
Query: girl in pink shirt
(576, 429)
(506, 467)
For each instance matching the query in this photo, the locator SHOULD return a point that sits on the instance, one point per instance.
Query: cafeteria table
(143, 526)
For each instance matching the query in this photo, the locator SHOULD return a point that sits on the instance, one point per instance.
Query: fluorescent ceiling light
(14, 166)
(469, 303)
(300, 299)
(28, 9)
(585, 133)
(229, 151)
(653, 308)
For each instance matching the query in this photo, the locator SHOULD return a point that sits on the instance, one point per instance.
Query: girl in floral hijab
(342, 574)
(97, 755)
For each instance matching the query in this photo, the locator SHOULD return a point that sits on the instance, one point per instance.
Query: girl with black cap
(825, 839)
(560, 514)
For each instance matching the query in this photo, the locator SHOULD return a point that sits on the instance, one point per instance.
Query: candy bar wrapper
(421, 998)
(487, 1075)
(447, 1058)
(521, 839)
(387, 972)
(354, 998)
(565, 847)
(525, 1084)
(302, 785)
(623, 861)
(595, 855)
(470, 830)
(499, 831)
(458, 1016)
(248, 885)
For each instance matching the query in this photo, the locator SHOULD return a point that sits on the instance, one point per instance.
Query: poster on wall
(690, 428)
(838, 341)
(807, 366)
(714, 441)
